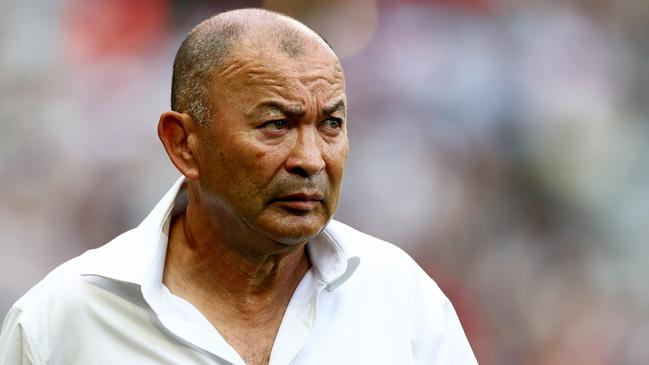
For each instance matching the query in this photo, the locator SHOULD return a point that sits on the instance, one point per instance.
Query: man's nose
(305, 158)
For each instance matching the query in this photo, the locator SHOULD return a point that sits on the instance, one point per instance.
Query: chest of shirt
(107, 329)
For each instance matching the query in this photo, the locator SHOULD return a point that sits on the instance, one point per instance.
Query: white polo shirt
(364, 301)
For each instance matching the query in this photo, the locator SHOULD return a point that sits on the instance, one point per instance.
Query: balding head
(210, 43)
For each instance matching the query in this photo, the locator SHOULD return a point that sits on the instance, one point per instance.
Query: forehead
(314, 69)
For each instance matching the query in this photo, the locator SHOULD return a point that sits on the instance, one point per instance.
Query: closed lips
(301, 197)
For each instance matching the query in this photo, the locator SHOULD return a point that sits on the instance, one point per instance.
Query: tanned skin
(263, 178)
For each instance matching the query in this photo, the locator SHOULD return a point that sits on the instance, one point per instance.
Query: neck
(201, 260)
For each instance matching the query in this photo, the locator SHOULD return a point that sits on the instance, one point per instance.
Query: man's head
(259, 125)
(207, 46)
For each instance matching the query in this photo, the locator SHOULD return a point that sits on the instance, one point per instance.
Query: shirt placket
(297, 326)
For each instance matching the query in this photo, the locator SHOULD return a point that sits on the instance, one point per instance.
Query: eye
(332, 123)
(276, 125)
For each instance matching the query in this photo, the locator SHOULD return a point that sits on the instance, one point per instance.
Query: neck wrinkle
(221, 272)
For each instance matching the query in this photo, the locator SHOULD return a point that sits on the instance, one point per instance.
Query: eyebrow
(332, 108)
(274, 106)
(293, 110)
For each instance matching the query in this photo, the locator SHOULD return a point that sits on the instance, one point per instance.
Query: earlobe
(177, 134)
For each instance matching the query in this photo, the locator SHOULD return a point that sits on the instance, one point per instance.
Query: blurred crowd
(503, 144)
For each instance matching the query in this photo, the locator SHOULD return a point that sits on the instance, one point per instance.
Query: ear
(178, 134)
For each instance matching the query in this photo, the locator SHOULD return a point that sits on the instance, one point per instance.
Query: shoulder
(399, 286)
(59, 283)
(373, 252)
(64, 303)
(355, 242)
(24, 328)
(386, 271)
(386, 267)
(65, 289)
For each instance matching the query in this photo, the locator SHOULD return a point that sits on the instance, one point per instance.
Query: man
(240, 262)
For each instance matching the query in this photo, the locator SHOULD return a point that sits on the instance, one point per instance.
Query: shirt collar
(331, 262)
(134, 257)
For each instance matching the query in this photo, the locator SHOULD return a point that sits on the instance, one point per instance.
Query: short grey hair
(198, 56)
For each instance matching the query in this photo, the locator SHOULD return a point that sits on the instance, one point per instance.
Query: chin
(293, 231)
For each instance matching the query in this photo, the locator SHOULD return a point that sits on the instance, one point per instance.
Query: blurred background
(502, 143)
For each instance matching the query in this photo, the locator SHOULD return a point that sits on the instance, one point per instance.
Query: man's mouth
(300, 201)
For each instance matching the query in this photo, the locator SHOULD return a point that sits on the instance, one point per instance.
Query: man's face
(273, 156)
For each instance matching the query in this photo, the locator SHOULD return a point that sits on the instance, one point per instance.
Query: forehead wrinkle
(231, 69)
(321, 93)
(251, 66)
(254, 73)
(315, 73)
(331, 99)
(299, 88)
(315, 78)
(236, 67)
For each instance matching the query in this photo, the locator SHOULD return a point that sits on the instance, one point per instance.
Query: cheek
(227, 163)
(335, 157)
(256, 163)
